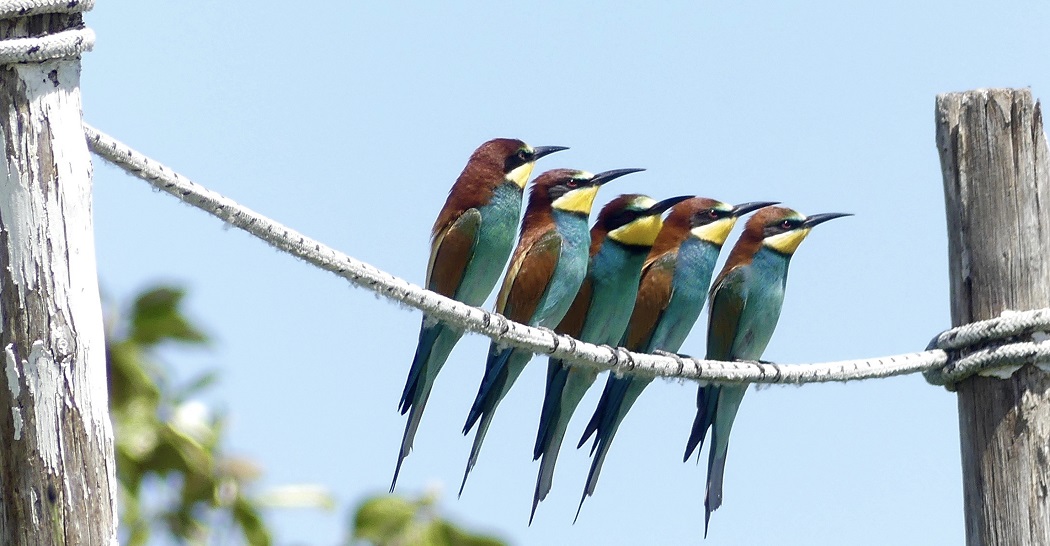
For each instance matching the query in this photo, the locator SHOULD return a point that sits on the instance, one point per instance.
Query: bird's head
(511, 158)
(710, 220)
(782, 229)
(633, 219)
(570, 190)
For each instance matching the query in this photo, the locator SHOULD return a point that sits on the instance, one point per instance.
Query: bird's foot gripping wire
(768, 368)
(554, 338)
(679, 358)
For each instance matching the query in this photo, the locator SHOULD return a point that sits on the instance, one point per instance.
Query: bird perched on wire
(672, 292)
(620, 240)
(545, 273)
(745, 304)
(471, 241)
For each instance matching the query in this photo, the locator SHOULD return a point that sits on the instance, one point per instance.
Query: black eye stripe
(516, 160)
(708, 216)
(781, 226)
(621, 218)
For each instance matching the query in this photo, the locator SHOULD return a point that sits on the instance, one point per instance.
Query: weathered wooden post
(996, 170)
(57, 476)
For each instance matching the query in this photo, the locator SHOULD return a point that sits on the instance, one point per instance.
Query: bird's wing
(572, 322)
(557, 372)
(728, 298)
(654, 294)
(451, 251)
(531, 270)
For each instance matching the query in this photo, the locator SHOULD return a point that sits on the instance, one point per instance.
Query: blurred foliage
(175, 481)
(390, 520)
(177, 485)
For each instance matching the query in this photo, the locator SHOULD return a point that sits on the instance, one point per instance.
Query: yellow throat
(520, 174)
(786, 243)
(716, 232)
(642, 231)
(579, 200)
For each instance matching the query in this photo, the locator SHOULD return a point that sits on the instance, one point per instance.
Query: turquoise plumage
(620, 240)
(546, 271)
(672, 293)
(745, 306)
(472, 239)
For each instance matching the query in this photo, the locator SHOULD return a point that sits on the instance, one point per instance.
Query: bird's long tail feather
(619, 396)
(493, 381)
(410, 430)
(566, 388)
(475, 448)
(596, 418)
(435, 344)
(424, 348)
(706, 405)
(557, 373)
(504, 370)
(548, 459)
(725, 414)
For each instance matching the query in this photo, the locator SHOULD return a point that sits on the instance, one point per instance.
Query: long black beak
(811, 221)
(609, 176)
(540, 151)
(744, 208)
(660, 207)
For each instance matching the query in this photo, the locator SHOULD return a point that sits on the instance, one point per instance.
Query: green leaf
(248, 518)
(431, 533)
(187, 455)
(383, 518)
(156, 317)
(390, 520)
(138, 429)
(458, 537)
(128, 376)
(198, 384)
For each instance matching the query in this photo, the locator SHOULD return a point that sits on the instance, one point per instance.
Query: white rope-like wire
(65, 44)
(545, 341)
(996, 347)
(24, 8)
(1010, 324)
(60, 45)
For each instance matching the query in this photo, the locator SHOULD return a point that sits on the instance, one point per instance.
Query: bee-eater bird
(620, 240)
(671, 294)
(745, 305)
(545, 273)
(470, 243)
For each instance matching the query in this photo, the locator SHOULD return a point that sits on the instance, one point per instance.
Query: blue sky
(349, 122)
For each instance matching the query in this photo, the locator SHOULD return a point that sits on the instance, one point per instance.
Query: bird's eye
(712, 214)
(786, 224)
(572, 184)
(523, 155)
